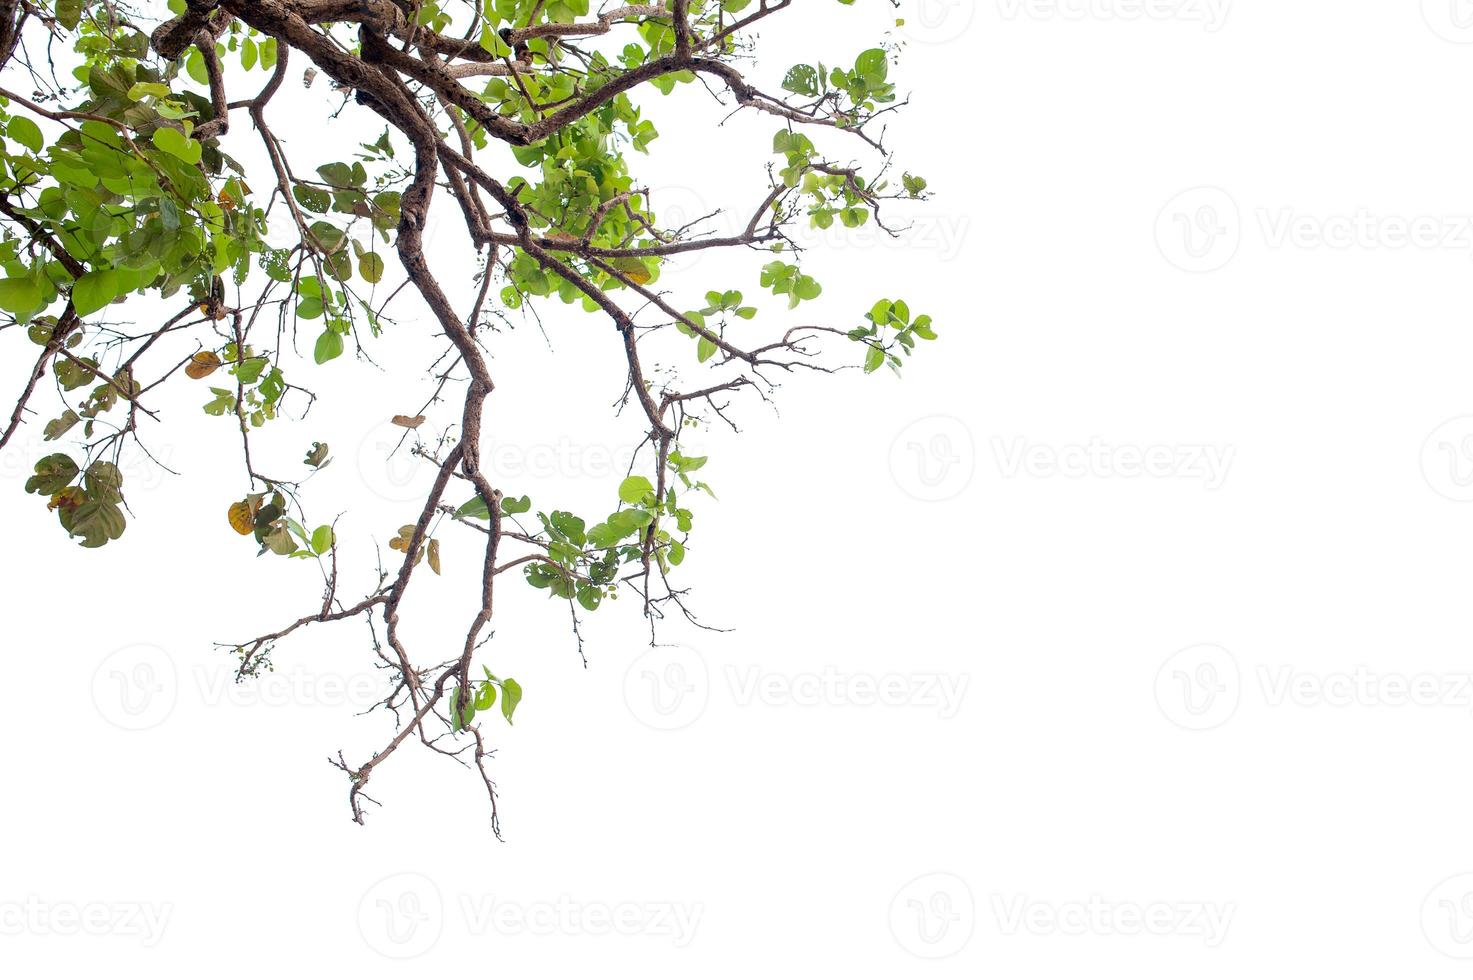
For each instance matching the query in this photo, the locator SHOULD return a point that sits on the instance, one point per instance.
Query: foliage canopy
(118, 183)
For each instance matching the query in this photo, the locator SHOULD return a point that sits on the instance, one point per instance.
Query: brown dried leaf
(202, 365)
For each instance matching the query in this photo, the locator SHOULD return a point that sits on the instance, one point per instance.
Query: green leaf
(802, 79)
(19, 295)
(329, 345)
(459, 720)
(873, 359)
(74, 374)
(194, 64)
(511, 696)
(104, 481)
(58, 427)
(142, 90)
(175, 143)
(872, 65)
(492, 42)
(329, 236)
(371, 267)
(619, 525)
(96, 522)
(94, 291)
(339, 175)
(224, 401)
(312, 198)
(249, 371)
(569, 526)
(475, 507)
(634, 489)
(69, 13)
(25, 132)
(322, 539)
(53, 474)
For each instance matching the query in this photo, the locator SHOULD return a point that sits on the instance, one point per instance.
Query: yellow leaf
(242, 517)
(633, 269)
(202, 365)
(68, 499)
(400, 542)
(435, 555)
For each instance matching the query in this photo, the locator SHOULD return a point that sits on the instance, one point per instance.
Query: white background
(1167, 231)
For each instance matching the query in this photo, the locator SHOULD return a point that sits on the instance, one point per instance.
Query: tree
(119, 185)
